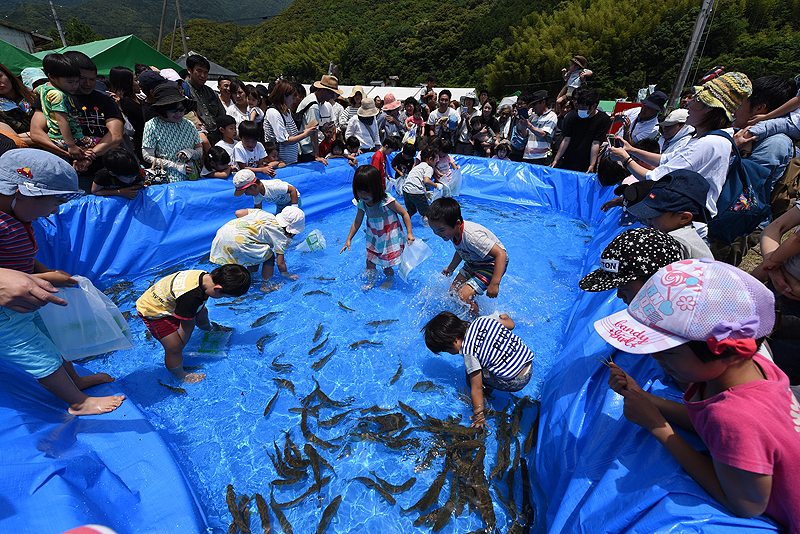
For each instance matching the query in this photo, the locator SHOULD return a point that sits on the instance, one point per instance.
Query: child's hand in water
(478, 420)
(346, 246)
(290, 276)
(492, 290)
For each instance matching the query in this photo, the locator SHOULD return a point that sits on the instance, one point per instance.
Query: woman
(708, 155)
(279, 126)
(238, 108)
(169, 140)
(489, 122)
(463, 144)
(364, 126)
(123, 84)
(356, 96)
(16, 109)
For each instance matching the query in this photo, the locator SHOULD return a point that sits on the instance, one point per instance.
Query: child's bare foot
(387, 284)
(370, 275)
(96, 405)
(84, 382)
(193, 378)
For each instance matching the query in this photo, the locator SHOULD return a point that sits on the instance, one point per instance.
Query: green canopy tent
(120, 51)
(16, 59)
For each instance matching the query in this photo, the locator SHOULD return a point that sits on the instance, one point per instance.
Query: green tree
(75, 33)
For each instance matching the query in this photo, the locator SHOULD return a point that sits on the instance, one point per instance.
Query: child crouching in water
(703, 322)
(385, 240)
(492, 354)
(172, 307)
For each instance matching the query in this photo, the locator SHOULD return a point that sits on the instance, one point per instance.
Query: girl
(703, 322)
(384, 232)
(501, 150)
(255, 112)
(123, 85)
(445, 164)
(216, 163)
(279, 125)
(415, 121)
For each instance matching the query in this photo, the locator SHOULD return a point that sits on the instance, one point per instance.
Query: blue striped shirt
(494, 346)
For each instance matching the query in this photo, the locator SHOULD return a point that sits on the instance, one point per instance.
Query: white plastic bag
(413, 255)
(209, 344)
(313, 242)
(453, 186)
(90, 324)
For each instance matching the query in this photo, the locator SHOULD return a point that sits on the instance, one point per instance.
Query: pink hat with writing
(693, 300)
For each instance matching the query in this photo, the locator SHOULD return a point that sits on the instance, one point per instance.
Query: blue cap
(452, 122)
(36, 173)
(679, 191)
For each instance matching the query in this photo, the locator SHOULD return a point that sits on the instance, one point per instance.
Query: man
(208, 105)
(584, 130)
(96, 113)
(315, 108)
(539, 127)
(437, 124)
(675, 133)
(641, 123)
(224, 88)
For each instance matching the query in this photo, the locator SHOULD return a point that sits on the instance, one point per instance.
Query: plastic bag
(437, 192)
(204, 344)
(90, 324)
(313, 242)
(413, 255)
(454, 185)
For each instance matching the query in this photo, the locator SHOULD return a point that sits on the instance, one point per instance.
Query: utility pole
(172, 44)
(58, 24)
(183, 32)
(694, 42)
(161, 26)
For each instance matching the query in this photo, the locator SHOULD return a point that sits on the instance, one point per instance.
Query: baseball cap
(679, 191)
(677, 116)
(36, 173)
(150, 79)
(242, 180)
(292, 219)
(693, 300)
(633, 253)
(452, 122)
(656, 101)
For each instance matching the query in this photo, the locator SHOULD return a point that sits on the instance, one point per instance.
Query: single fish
(317, 292)
(319, 364)
(323, 279)
(335, 419)
(376, 409)
(377, 324)
(296, 288)
(315, 464)
(244, 511)
(427, 386)
(286, 481)
(285, 525)
(342, 306)
(315, 349)
(409, 410)
(264, 319)
(396, 376)
(388, 423)
(528, 514)
(530, 439)
(552, 265)
(516, 415)
(263, 513)
(512, 505)
(431, 495)
(127, 315)
(314, 456)
(230, 499)
(391, 488)
(318, 333)
(179, 391)
(314, 487)
(268, 409)
(328, 514)
(446, 511)
(263, 341)
(364, 342)
(368, 482)
(282, 382)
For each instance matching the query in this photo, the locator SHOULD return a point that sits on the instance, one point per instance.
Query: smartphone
(610, 139)
(465, 109)
(522, 112)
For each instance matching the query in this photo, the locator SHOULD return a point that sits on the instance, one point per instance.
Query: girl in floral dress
(385, 239)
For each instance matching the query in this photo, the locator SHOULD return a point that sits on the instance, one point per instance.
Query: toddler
(254, 111)
(501, 151)
(273, 155)
(481, 137)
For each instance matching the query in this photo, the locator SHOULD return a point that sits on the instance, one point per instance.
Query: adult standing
(238, 108)
(355, 98)
(437, 124)
(583, 133)
(504, 122)
(364, 126)
(309, 111)
(642, 122)
(279, 125)
(208, 106)
(467, 111)
(122, 83)
(392, 125)
(540, 128)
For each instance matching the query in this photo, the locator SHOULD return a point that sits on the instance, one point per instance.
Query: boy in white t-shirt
(249, 153)
(413, 185)
(277, 192)
(227, 128)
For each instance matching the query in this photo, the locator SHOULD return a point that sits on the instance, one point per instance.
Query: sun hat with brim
(390, 102)
(693, 300)
(242, 180)
(679, 191)
(725, 91)
(167, 94)
(31, 75)
(367, 108)
(632, 254)
(356, 89)
(579, 61)
(329, 82)
(678, 116)
(656, 101)
(470, 94)
(36, 173)
(292, 219)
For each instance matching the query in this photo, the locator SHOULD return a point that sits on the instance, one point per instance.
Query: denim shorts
(507, 384)
(25, 342)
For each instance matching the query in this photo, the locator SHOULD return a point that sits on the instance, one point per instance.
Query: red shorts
(162, 326)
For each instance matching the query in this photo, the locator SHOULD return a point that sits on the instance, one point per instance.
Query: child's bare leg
(467, 295)
(371, 273)
(83, 382)
(173, 356)
(267, 270)
(61, 385)
(389, 272)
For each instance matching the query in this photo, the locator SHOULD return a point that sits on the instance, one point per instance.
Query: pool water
(218, 430)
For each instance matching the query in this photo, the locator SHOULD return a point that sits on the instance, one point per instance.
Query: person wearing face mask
(583, 134)
(364, 126)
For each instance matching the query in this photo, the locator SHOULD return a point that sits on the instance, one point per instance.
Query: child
(338, 151)
(404, 161)
(443, 171)
(389, 145)
(703, 322)
(481, 137)
(273, 155)
(384, 232)
(415, 122)
(352, 146)
(492, 354)
(574, 76)
(329, 133)
(277, 192)
(227, 128)
(58, 106)
(33, 184)
(413, 186)
(172, 307)
(120, 175)
(785, 120)
(255, 238)
(672, 205)
(501, 151)
(254, 111)
(216, 164)
(630, 260)
(485, 258)
(249, 153)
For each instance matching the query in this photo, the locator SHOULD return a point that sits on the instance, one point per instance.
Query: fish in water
(270, 403)
(323, 279)
(263, 512)
(335, 419)
(282, 382)
(342, 306)
(328, 514)
(317, 292)
(179, 391)
(319, 364)
(315, 349)
(318, 333)
(427, 386)
(230, 499)
(264, 319)
(396, 376)
(347, 451)
(296, 288)
(377, 324)
(364, 342)
(553, 265)
(263, 341)
(391, 488)
(377, 487)
(285, 525)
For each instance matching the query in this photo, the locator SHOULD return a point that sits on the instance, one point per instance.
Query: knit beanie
(726, 91)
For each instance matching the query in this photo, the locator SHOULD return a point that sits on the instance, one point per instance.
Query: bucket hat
(390, 102)
(292, 219)
(36, 173)
(367, 108)
(725, 91)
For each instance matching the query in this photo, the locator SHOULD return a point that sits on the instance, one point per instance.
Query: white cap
(292, 219)
(242, 180)
(676, 117)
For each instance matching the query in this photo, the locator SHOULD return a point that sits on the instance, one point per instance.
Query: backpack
(743, 203)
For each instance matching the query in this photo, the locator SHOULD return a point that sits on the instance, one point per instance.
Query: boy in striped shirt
(492, 354)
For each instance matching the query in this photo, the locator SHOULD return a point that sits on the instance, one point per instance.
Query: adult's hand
(24, 293)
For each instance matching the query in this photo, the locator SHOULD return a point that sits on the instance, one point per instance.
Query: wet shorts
(478, 275)
(26, 343)
(161, 327)
(508, 384)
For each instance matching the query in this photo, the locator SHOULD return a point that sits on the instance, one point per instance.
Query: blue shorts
(279, 207)
(25, 342)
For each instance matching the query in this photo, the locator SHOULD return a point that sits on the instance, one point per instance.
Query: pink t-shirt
(756, 427)
(443, 165)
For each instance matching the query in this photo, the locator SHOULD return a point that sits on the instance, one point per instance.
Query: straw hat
(330, 83)
(356, 89)
(367, 108)
(726, 91)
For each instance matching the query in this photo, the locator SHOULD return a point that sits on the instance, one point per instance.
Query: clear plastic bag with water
(413, 255)
(314, 242)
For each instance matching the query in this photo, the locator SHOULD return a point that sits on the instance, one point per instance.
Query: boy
(248, 153)
(172, 307)
(227, 129)
(273, 158)
(338, 151)
(574, 76)
(276, 192)
(352, 146)
(672, 205)
(492, 354)
(120, 175)
(404, 161)
(414, 184)
(485, 258)
(390, 144)
(33, 184)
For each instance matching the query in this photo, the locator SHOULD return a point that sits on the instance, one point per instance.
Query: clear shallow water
(220, 435)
